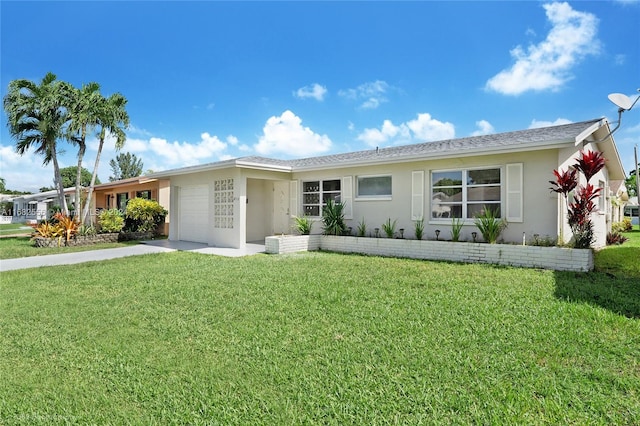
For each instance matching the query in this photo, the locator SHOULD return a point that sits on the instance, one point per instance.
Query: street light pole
(635, 154)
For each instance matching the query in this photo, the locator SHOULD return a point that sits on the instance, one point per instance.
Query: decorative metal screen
(223, 203)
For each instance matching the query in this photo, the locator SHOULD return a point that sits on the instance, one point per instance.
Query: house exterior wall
(106, 198)
(252, 205)
(539, 204)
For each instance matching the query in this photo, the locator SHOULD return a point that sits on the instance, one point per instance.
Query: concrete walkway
(146, 247)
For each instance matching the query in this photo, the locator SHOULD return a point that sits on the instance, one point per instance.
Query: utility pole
(635, 154)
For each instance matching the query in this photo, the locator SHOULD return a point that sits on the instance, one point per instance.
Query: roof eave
(438, 155)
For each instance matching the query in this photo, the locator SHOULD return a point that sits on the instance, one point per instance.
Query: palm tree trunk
(56, 172)
(87, 205)
(81, 150)
(78, 203)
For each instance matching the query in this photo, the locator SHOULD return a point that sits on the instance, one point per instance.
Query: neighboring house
(632, 210)
(116, 195)
(230, 203)
(619, 198)
(32, 208)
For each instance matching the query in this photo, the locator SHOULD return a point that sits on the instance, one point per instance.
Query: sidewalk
(145, 247)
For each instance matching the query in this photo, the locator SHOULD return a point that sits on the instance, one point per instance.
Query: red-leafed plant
(579, 210)
(590, 163)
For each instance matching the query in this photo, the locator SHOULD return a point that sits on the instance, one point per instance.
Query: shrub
(615, 238)
(303, 225)
(333, 218)
(87, 230)
(545, 241)
(143, 215)
(624, 226)
(69, 226)
(419, 228)
(47, 229)
(110, 221)
(389, 227)
(579, 211)
(489, 225)
(362, 228)
(456, 228)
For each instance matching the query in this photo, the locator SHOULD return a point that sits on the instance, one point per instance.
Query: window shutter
(293, 198)
(347, 196)
(514, 202)
(417, 195)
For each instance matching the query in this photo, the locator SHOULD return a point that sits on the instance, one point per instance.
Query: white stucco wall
(540, 205)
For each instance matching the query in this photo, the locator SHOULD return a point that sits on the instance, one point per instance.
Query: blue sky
(208, 81)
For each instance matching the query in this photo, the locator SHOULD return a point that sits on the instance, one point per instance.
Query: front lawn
(317, 338)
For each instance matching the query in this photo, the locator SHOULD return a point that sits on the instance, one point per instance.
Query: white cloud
(484, 128)
(371, 94)
(24, 172)
(186, 154)
(536, 124)
(426, 128)
(548, 65)
(286, 135)
(620, 59)
(422, 129)
(314, 91)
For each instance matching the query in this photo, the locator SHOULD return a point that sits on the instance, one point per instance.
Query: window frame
(322, 195)
(122, 208)
(138, 194)
(380, 197)
(464, 203)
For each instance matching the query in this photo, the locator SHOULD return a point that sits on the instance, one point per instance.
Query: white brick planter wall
(556, 258)
(281, 244)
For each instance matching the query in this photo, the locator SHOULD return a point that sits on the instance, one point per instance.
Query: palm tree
(36, 116)
(113, 120)
(83, 114)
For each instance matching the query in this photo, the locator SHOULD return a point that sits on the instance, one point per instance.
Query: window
(316, 193)
(602, 206)
(373, 186)
(122, 199)
(465, 193)
(144, 194)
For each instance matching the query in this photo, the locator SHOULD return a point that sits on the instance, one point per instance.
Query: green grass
(14, 247)
(316, 338)
(14, 228)
(623, 260)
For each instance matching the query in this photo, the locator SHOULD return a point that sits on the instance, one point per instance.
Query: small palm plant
(303, 225)
(389, 227)
(333, 218)
(362, 228)
(419, 228)
(490, 225)
(456, 228)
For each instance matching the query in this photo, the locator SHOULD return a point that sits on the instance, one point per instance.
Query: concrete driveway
(146, 247)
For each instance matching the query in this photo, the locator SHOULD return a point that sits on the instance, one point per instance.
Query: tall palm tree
(36, 116)
(83, 114)
(113, 120)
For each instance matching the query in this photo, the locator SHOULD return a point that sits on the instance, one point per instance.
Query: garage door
(194, 213)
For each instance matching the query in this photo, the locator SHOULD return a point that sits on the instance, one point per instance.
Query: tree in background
(36, 117)
(124, 166)
(630, 183)
(3, 186)
(69, 176)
